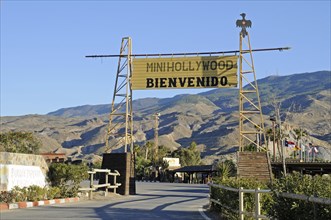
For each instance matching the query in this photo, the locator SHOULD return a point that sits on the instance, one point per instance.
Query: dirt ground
(99, 195)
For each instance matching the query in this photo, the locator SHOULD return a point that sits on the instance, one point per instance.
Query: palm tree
(299, 133)
(148, 147)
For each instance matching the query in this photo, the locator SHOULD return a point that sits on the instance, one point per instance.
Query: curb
(23, 205)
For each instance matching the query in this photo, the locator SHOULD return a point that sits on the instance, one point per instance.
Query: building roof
(199, 168)
(53, 154)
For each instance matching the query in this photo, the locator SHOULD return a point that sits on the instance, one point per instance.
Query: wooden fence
(107, 185)
(257, 211)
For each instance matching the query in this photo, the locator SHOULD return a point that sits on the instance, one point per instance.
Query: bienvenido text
(180, 82)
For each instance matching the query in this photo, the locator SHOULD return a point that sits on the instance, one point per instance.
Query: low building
(51, 157)
(196, 174)
(173, 163)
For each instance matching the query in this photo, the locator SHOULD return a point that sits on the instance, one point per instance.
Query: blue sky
(44, 43)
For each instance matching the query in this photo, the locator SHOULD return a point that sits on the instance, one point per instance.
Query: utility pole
(156, 137)
(156, 146)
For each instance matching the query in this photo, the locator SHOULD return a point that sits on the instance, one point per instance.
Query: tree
(144, 161)
(164, 171)
(141, 159)
(141, 165)
(19, 142)
(163, 151)
(188, 156)
(299, 133)
(148, 150)
(143, 156)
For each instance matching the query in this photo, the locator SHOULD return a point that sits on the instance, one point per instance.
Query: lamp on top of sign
(184, 72)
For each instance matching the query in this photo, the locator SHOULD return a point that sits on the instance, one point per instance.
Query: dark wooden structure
(256, 165)
(124, 164)
(206, 171)
(253, 165)
(311, 168)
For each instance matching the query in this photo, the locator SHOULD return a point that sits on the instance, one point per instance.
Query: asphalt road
(161, 201)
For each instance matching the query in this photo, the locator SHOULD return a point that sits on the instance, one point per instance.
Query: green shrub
(272, 204)
(67, 178)
(318, 186)
(231, 199)
(21, 193)
(36, 193)
(31, 193)
(53, 193)
(7, 196)
(226, 169)
(228, 198)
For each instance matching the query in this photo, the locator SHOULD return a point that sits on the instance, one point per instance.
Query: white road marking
(202, 213)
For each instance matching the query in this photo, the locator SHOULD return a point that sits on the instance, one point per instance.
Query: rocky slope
(210, 118)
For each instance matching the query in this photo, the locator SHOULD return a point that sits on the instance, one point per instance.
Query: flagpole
(300, 145)
(281, 142)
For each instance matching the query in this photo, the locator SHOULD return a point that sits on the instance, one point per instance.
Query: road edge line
(202, 213)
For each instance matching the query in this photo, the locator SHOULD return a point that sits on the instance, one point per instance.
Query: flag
(289, 144)
(310, 148)
(303, 147)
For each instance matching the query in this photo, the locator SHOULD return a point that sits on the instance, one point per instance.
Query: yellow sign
(184, 72)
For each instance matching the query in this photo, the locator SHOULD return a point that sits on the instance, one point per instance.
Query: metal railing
(313, 199)
(107, 185)
(257, 205)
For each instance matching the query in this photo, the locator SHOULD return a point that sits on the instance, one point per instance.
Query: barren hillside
(210, 119)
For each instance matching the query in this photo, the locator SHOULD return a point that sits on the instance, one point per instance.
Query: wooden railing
(107, 185)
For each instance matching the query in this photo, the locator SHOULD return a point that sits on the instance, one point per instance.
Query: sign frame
(184, 72)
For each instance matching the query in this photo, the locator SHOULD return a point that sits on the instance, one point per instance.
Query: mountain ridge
(208, 118)
(226, 99)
